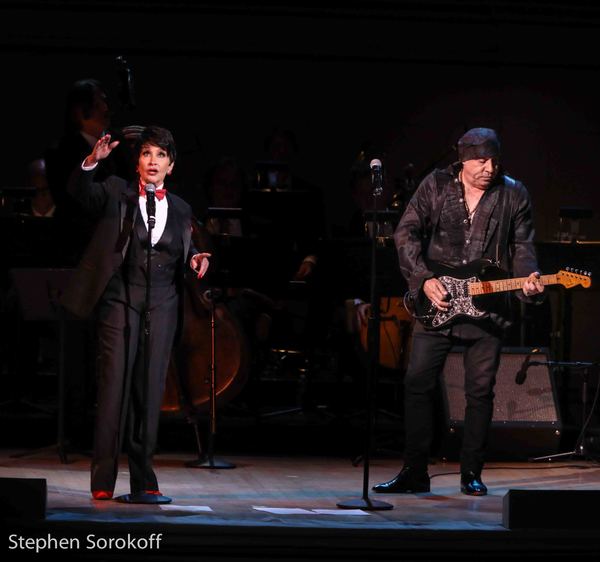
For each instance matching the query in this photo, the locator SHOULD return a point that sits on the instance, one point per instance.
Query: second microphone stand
(580, 450)
(365, 502)
(208, 460)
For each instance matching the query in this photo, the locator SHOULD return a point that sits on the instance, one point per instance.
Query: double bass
(187, 389)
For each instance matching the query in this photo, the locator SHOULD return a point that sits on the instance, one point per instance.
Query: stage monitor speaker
(526, 420)
(23, 498)
(551, 509)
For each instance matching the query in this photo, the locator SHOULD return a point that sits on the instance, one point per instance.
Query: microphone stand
(143, 497)
(580, 449)
(365, 502)
(208, 461)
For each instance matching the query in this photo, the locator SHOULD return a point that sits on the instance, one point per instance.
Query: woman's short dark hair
(157, 136)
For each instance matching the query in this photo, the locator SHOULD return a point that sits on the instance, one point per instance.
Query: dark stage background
(402, 79)
(406, 78)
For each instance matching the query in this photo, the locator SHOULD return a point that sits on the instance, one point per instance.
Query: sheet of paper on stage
(172, 507)
(299, 511)
(340, 512)
(281, 510)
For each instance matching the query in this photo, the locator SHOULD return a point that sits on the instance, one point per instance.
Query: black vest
(164, 258)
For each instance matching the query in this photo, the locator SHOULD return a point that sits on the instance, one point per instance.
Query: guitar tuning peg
(568, 268)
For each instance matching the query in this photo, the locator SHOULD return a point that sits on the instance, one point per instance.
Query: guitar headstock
(570, 277)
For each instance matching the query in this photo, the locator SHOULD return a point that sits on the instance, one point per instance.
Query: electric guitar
(470, 286)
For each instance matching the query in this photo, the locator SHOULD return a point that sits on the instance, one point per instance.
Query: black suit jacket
(77, 223)
(116, 202)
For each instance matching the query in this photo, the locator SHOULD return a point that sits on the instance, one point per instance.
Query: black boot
(471, 484)
(409, 481)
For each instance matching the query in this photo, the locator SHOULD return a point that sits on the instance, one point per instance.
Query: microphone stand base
(142, 497)
(365, 503)
(209, 462)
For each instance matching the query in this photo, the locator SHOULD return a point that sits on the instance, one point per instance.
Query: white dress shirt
(162, 210)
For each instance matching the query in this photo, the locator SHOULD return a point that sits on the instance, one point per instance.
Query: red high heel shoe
(102, 495)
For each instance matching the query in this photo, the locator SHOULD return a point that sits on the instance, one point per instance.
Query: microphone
(522, 372)
(151, 204)
(376, 176)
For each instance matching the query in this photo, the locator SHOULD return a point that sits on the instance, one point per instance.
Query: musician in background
(226, 186)
(41, 204)
(287, 211)
(468, 211)
(88, 112)
(87, 117)
(279, 172)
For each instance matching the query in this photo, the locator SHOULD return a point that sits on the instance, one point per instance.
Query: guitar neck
(499, 285)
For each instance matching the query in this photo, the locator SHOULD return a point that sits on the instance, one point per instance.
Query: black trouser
(428, 354)
(120, 383)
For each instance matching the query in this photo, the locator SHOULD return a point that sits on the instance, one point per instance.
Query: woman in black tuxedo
(110, 281)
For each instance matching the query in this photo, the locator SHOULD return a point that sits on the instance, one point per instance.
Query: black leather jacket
(435, 228)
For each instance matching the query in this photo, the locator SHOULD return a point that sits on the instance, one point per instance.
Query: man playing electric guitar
(466, 212)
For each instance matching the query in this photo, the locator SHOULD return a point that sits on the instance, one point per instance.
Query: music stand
(15, 199)
(381, 218)
(580, 450)
(17, 192)
(280, 213)
(38, 292)
(264, 169)
(573, 215)
(226, 213)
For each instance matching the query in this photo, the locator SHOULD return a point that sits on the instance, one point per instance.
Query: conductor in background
(87, 117)
(111, 281)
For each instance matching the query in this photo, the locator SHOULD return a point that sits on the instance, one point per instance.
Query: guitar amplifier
(526, 421)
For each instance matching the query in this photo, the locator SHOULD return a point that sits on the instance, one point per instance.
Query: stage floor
(286, 507)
